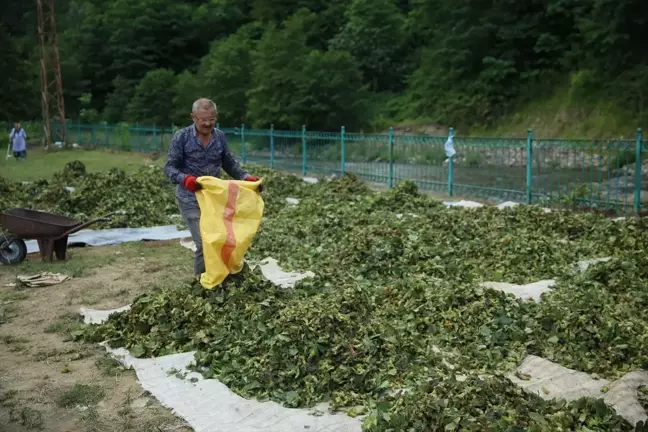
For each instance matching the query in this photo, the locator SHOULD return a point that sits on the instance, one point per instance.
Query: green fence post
(78, 133)
(638, 166)
(271, 146)
(343, 150)
(92, 136)
(107, 135)
(304, 150)
(451, 167)
(243, 152)
(155, 144)
(529, 167)
(391, 157)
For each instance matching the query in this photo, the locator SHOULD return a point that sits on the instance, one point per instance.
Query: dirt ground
(50, 383)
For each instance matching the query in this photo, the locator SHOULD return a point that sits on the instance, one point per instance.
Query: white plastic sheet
(585, 264)
(463, 203)
(507, 204)
(474, 204)
(449, 147)
(271, 270)
(189, 244)
(118, 235)
(96, 316)
(532, 291)
(292, 201)
(553, 381)
(209, 406)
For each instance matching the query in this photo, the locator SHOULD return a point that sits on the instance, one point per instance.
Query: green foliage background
(365, 64)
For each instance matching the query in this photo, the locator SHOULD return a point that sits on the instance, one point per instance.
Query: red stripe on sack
(228, 218)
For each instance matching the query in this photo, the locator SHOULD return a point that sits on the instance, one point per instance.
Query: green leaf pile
(395, 325)
(146, 196)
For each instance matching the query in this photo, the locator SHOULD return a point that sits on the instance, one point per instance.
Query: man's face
(17, 126)
(205, 120)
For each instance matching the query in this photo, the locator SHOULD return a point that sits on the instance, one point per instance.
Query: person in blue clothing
(18, 140)
(199, 150)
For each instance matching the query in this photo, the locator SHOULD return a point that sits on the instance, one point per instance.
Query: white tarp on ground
(271, 270)
(209, 406)
(118, 235)
(463, 203)
(552, 381)
(585, 264)
(96, 316)
(293, 201)
(532, 291)
(475, 204)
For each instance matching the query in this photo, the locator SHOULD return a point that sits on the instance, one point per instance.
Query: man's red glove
(252, 178)
(191, 183)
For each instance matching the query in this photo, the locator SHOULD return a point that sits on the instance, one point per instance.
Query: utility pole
(50, 62)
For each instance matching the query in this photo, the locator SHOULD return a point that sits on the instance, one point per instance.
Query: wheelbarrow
(50, 230)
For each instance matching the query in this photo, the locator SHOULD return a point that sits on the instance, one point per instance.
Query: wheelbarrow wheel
(12, 250)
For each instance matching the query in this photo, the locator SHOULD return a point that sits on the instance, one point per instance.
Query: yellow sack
(230, 214)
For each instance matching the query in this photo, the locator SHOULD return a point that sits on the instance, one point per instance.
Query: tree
(277, 69)
(18, 99)
(280, 10)
(327, 19)
(465, 63)
(118, 99)
(293, 85)
(614, 34)
(226, 74)
(217, 19)
(87, 114)
(130, 38)
(331, 93)
(188, 88)
(375, 35)
(152, 102)
(89, 39)
(479, 56)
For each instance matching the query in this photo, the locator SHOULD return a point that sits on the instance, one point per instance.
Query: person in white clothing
(18, 140)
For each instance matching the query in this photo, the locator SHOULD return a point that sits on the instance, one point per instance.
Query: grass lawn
(42, 164)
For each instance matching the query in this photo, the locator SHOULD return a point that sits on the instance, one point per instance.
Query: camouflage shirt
(188, 157)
